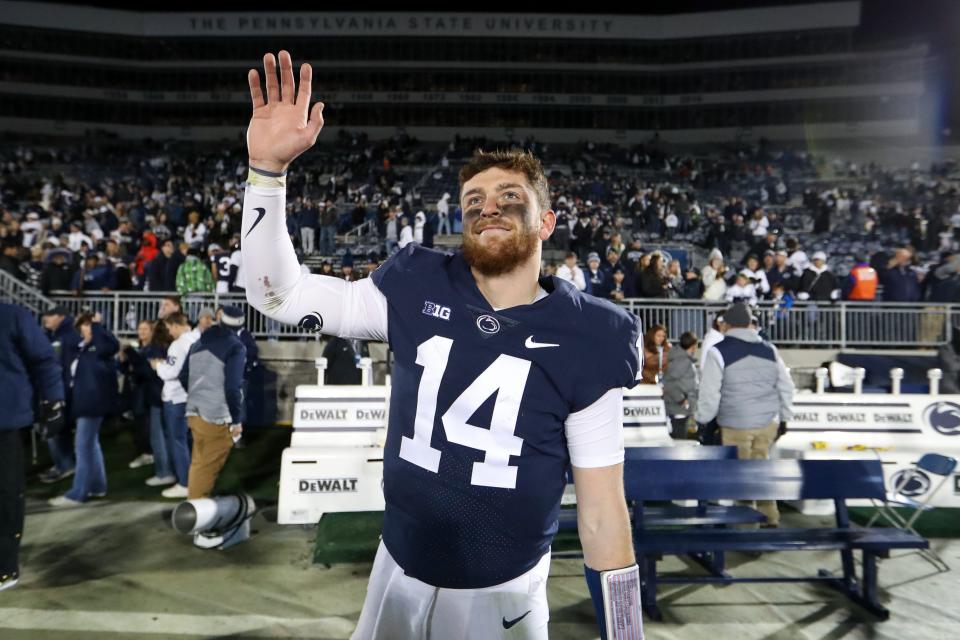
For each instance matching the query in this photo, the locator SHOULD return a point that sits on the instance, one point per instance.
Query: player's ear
(548, 222)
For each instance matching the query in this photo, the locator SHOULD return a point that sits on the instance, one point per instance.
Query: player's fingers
(286, 78)
(256, 94)
(316, 122)
(270, 76)
(306, 80)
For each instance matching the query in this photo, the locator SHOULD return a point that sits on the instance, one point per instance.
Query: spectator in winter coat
(653, 282)
(232, 318)
(796, 257)
(212, 375)
(818, 282)
(571, 272)
(655, 351)
(58, 272)
(94, 276)
(194, 275)
(597, 282)
(93, 397)
(756, 275)
(712, 275)
(148, 400)
(680, 384)
(746, 387)
(175, 400)
(148, 251)
(65, 340)
(619, 286)
(899, 279)
(195, 233)
(782, 272)
(743, 290)
(162, 270)
(29, 376)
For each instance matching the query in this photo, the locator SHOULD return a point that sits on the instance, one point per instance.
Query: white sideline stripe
(136, 623)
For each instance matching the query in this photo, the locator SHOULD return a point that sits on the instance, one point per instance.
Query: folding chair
(932, 463)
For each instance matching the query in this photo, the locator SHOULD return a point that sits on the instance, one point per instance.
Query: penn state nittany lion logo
(488, 324)
(917, 484)
(943, 417)
(312, 322)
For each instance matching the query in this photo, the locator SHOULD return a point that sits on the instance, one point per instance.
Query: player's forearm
(602, 518)
(279, 288)
(605, 537)
(268, 255)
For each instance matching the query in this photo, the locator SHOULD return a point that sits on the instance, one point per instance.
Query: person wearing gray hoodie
(680, 383)
(747, 388)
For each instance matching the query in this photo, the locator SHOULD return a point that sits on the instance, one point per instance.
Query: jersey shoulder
(412, 259)
(607, 341)
(597, 317)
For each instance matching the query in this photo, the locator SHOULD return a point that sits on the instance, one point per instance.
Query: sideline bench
(676, 515)
(837, 480)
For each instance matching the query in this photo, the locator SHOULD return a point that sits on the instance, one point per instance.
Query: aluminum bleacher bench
(837, 480)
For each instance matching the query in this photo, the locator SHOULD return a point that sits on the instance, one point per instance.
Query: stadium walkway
(117, 570)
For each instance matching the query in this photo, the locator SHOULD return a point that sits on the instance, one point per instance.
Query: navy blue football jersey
(476, 455)
(226, 271)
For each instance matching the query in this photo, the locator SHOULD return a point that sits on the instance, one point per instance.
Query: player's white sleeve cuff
(595, 434)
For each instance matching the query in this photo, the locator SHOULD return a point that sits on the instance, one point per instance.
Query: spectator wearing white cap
(232, 317)
(597, 283)
(818, 282)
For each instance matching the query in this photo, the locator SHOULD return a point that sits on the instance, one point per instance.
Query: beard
(503, 255)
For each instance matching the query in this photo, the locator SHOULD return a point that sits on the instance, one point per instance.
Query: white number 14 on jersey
(507, 377)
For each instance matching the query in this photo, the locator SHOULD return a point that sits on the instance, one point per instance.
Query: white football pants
(398, 607)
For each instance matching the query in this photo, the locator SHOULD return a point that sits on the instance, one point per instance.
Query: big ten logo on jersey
(436, 310)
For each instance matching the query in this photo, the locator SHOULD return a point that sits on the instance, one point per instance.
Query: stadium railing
(14, 291)
(832, 324)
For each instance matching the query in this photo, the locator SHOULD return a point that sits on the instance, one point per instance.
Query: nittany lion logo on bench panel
(943, 417)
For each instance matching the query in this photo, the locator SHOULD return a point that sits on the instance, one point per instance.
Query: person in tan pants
(211, 448)
(212, 374)
(752, 444)
(747, 388)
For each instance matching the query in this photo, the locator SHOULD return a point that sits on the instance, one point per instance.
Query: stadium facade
(794, 72)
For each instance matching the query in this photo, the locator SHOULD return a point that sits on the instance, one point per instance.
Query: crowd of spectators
(159, 383)
(100, 218)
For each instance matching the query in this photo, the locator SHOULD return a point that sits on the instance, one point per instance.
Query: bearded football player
(502, 382)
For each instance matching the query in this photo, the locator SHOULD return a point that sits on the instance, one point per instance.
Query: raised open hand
(279, 129)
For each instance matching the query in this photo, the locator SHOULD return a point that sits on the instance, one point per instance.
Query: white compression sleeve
(595, 433)
(278, 288)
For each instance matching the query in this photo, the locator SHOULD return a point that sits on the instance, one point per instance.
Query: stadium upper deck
(785, 72)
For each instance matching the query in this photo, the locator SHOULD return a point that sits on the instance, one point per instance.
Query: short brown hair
(516, 160)
(82, 319)
(176, 318)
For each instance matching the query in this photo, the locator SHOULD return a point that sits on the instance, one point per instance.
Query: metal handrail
(13, 290)
(361, 231)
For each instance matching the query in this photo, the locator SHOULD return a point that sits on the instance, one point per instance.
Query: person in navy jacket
(93, 397)
(148, 400)
(28, 371)
(65, 340)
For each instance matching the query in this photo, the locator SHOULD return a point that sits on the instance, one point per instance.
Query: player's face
(501, 221)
